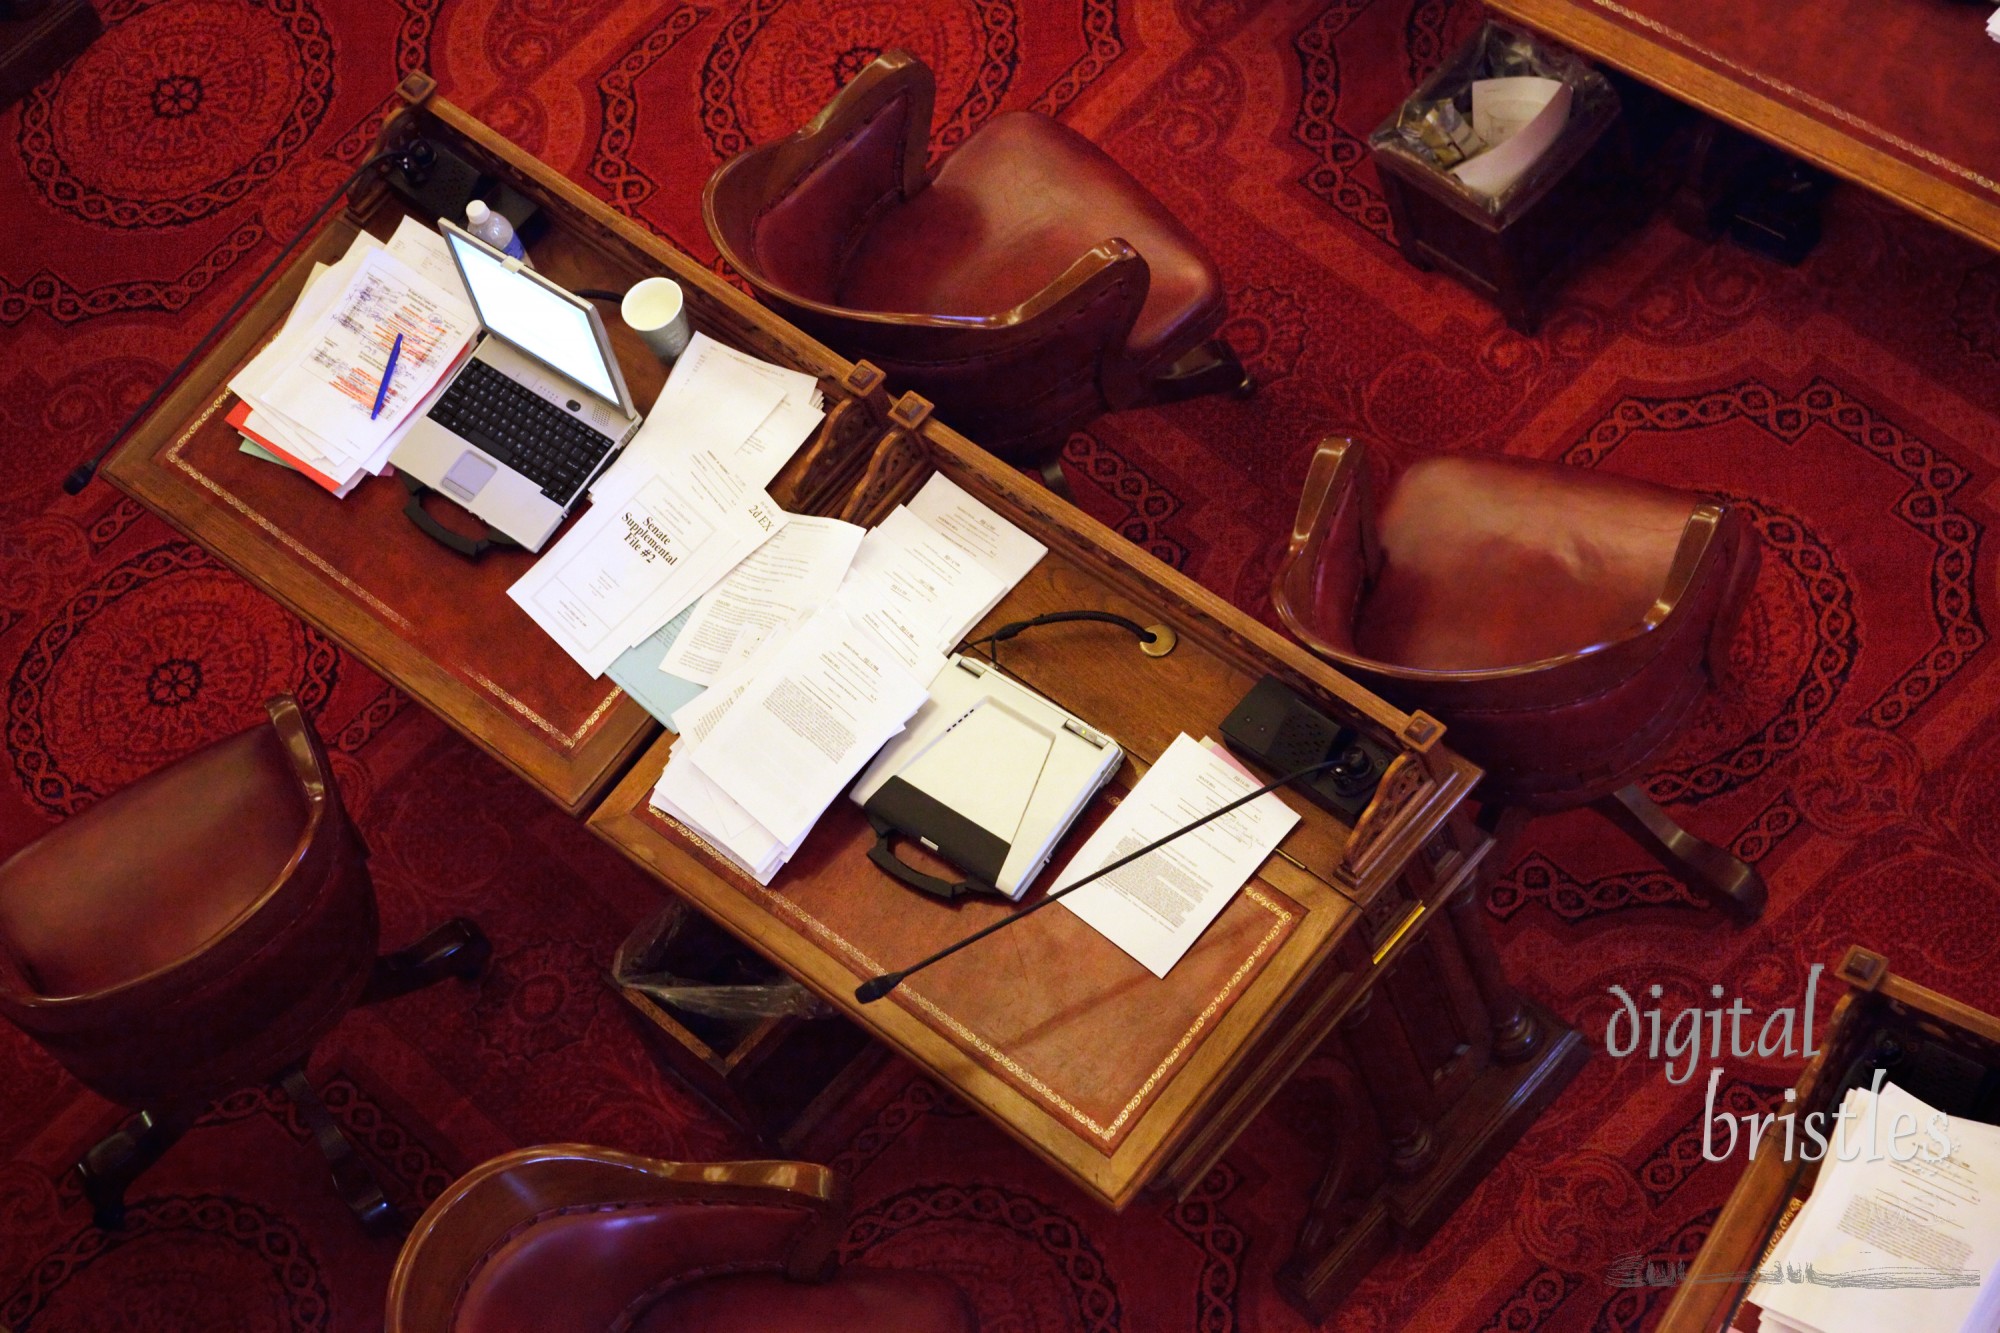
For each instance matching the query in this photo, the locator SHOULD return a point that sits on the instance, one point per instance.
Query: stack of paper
(308, 397)
(931, 570)
(752, 414)
(816, 662)
(757, 766)
(682, 507)
(1902, 1221)
(920, 557)
(781, 583)
(642, 553)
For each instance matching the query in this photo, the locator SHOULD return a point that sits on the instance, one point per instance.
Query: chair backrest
(571, 1239)
(1334, 555)
(1572, 721)
(788, 215)
(217, 1001)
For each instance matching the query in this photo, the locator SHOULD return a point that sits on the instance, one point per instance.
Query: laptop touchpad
(468, 475)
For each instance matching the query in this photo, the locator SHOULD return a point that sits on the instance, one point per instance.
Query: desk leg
(1515, 1032)
(1397, 1082)
(1441, 1130)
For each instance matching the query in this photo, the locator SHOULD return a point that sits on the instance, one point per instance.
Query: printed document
(639, 558)
(337, 361)
(297, 440)
(751, 414)
(1887, 1243)
(794, 572)
(917, 590)
(1002, 550)
(1157, 907)
(691, 796)
(816, 712)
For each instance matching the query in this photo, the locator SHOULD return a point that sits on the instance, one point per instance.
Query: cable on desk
(881, 984)
(1005, 632)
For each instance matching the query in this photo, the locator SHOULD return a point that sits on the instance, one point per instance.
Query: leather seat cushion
(857, 1300)
(1496, 563)
(146, 877)
(1012, 208)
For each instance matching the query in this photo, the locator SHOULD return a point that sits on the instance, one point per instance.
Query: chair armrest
(1065, 341)
(1714, 570)
(497, 1204)
(1331, 555)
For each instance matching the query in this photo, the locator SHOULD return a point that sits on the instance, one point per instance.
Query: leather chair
(573, 1239)
(1561, 623)
(1026, 286)
(199, 931)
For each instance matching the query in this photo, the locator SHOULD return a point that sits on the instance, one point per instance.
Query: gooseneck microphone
(875, 988)
(80, 477)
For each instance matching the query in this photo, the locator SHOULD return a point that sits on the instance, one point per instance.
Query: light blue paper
(256, 450)
(637, 672)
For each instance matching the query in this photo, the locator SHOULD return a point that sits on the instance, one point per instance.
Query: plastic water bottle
(493, 229)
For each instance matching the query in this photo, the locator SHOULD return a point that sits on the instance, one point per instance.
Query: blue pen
(388, 373)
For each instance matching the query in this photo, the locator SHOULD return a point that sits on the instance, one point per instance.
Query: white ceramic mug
(656, 311)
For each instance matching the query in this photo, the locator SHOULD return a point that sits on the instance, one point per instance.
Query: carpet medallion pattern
(1850, 406)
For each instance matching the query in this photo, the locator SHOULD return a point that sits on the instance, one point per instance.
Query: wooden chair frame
(1106, 287)
(1094, 303)
(1335, 505)
(1338, 476)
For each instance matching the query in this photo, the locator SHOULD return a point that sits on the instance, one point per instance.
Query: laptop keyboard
(522, 429)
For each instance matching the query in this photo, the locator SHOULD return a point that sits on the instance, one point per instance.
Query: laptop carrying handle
(469, 547)
(883, 854)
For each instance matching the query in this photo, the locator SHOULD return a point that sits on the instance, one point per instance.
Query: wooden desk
(1359, 940)
(1366, 933)
(440, 627)
(1897, 97)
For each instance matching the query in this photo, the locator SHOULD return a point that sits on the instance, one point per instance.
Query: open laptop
(536, 411)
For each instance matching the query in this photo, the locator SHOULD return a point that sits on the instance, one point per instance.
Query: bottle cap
(477, 212)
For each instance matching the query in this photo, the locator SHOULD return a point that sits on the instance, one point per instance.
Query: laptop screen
(534, 319)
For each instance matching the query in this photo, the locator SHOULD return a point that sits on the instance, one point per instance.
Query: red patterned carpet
(1853, 406)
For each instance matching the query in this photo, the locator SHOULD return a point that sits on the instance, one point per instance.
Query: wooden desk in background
(1363, 940)
(1941, 1051)
(1900, 97)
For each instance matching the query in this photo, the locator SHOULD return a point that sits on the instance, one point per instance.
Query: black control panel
(1279, 731)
